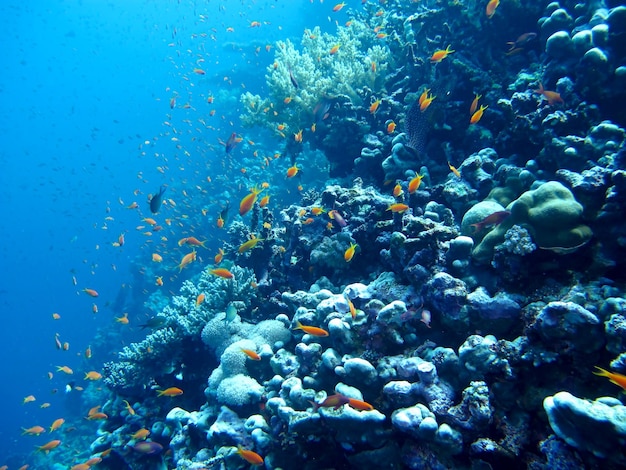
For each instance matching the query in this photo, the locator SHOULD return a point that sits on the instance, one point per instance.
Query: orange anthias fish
(415, 183)
(247, 202)
(170, 392)
(551, 96)
(374, 106)
(349, 253)
(474, 104)
(454, 170)
(219, 256)
(398, 207)
(614, 377)
(47, 447)
(292, 171)
(426, 102)
(188, 258)
(33, 430)
(123, 319)
(491, 7)
(339, 6)
(493, 219)
(335, 401)
(251, 354)
(57, 424)
(250, 244)
(91, 292)
(441, 54)
(193, 241)
(141, 434)
(478, 114)
(334, 49)
(250, 456)
(222, 272)
(397, 190)
(65, 370)
(311, 330)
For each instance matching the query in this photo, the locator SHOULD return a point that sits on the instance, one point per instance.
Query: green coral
(319, 74)
(550, 214)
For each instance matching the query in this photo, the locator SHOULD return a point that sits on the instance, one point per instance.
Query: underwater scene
(280, 234)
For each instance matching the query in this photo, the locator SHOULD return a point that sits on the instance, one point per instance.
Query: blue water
(84, 86)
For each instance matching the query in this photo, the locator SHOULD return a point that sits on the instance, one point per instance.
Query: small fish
(337, 217)
(222, 272)
(248, 201)
(474, 104)
(415, 183)
(249, 245)
(154, 322)
(311, 330)
(349, 253)
(250, 456)
(92, 375)
(65, 370)
(33, 430)
(493, 219)
(232, 142)
(441, 54)
(157, 258)
(397, 190)
(170, 392)
(335, 401)
(251, 354)
(231, 313)
(200, 299)
(159, 281)
(391, 127)
(478, 114)
(155, 201)
(48, 446)
(57, 424)
(293, 170)
(298, 136)
(293, 80)
(188, 258)
(129, 408)
(425, 317)
(552, 96)
(148, 448)
(123, 319)
(374, 106)
(397, 207)
(426, 102)
(491, 7)
(140, 434)
(91, 292)
(219, 256)
(334, 49)
(339, 6)
(453, 169)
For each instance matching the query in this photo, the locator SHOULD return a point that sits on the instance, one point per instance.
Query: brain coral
(549, 213)
(239, 390)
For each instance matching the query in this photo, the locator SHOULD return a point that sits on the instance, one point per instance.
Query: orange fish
(200, 299)
(47, 447)
(159, 281)
(552, 96)
(397, 190)
(490, 9)
(251, 354)
(440, 54)
(391, 127)
(374, 106)
(423, 96)
(170, 392)
(415, 183)
(339, 6)
(193, 241)
(453, 169)
(478, 114)
(56, 316)
(250, 244)
(349, 253)
(474, 104)
(129, 408)
(141, 434)
(88, 352)
(352, 308)
(298, 136)
(360, 404)
(293, 170)
(614, 377)
(397, 207)
(123, 319)
(222, 272)
(425, 103)
(311, 330)
(65, 370)
(220, 222)
(93, 375)
(57, 424)
(218, 257)
(317, 211)
(334, 49)
(97, 416)
(247, 202)
(249, 456)
(91, 292)
(188, 258)
(264, 201)
(157, 258)
(33, 430)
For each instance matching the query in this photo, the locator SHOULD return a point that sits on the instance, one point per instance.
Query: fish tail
(603, 372)
(315, 405)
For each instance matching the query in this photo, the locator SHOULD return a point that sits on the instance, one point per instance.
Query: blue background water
(83, 85)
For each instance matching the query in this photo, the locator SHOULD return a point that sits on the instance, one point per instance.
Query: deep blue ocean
(84, 85)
